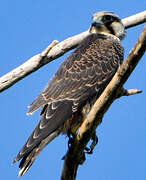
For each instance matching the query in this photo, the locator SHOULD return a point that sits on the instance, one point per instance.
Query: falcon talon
(93, 144)
(88, 150)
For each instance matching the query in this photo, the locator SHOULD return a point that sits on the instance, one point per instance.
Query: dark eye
(107, 18)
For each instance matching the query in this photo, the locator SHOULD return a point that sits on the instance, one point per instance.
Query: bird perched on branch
(79, 81)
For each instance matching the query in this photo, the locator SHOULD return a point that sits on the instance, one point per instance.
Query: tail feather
(29, 158)
(51, 125)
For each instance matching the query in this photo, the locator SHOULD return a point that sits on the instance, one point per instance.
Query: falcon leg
(71, 136)
(93, 144)
(71, 133)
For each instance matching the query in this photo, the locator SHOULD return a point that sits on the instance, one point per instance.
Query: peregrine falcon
(79, 81)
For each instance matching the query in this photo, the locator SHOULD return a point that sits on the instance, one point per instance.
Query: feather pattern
(90, 65)
(80, 79)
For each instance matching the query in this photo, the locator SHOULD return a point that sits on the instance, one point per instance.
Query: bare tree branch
(129, 92)
(75, 154)
(55, 50)
(134, 20)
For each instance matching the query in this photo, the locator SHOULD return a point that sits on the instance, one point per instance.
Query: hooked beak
(96, 22)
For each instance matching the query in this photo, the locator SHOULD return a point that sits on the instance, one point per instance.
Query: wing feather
(81, 77)
(91, 63)
(87, 70)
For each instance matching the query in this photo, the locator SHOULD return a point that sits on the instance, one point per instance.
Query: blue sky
(27, 27)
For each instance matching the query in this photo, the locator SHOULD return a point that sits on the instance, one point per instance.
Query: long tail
(54, 116)
(28, 158)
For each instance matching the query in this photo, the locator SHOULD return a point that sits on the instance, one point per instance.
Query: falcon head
(107, 23)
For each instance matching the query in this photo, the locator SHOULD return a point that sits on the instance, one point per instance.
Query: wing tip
(24, 164)
(22, 171)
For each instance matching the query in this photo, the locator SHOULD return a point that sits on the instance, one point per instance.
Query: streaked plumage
(76, 85)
